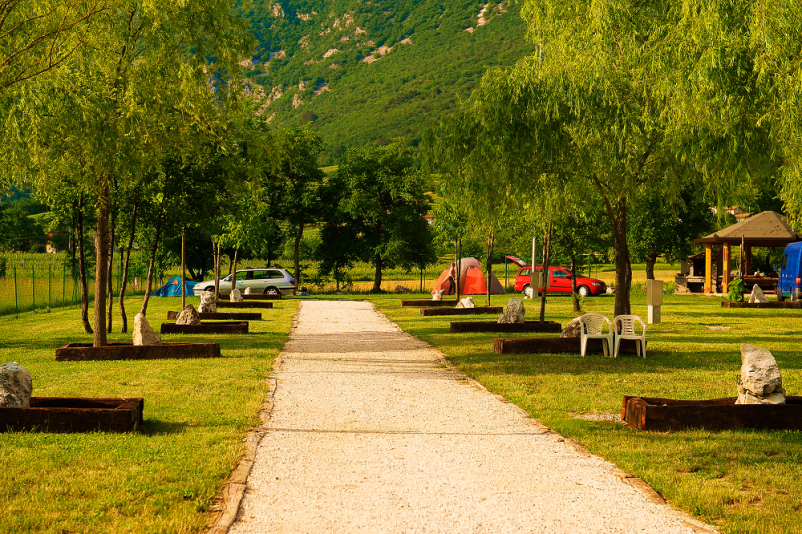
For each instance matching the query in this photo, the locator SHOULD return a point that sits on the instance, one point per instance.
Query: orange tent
(471, 280)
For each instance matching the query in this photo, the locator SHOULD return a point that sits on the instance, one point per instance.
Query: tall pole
(183, 269)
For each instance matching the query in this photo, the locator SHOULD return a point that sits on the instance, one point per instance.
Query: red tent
(471, 280)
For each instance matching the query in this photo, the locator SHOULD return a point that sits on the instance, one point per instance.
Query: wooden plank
(223, 327)
(428, 303)
(222, 316)
(57, 414)
(658, 414)
(83, 352)
(535, 345)
(243, 304)
(796, 305)
(493, 326)
(479, 310)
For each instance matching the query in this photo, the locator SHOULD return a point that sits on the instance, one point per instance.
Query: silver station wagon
(269, 280)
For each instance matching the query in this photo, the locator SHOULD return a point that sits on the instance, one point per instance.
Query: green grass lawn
(164, 478)
(160, 479)
(742, 481)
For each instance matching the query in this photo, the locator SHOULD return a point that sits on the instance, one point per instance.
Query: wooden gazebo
(766, 229)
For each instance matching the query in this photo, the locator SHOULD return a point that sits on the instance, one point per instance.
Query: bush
(735, 291)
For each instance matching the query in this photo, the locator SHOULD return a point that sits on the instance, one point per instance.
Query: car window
(539, 269)
(275, 274)
(227, 278)
(558, 273)
(525, 272)
(785, 262)
(260, 275)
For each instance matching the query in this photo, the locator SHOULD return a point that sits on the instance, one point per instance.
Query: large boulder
(144, 333)
(208, 304)
(235, 296)
(466, 302)
(760, 381)
(437, 294)
(16, 385)
(572, 329)
(188, 316)
(247, 291)
(515, 312)
(757, 295)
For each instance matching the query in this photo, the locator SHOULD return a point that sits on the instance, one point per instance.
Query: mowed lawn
(741, 481)
(160, 479)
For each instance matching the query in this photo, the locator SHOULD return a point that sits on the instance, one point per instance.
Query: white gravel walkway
(371, 432)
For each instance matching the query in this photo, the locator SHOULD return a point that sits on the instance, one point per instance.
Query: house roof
(766, 229)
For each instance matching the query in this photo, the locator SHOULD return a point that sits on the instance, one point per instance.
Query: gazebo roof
(766, 229)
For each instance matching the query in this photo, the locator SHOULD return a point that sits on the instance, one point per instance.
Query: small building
(766, 229)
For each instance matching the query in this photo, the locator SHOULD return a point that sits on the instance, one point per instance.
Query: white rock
(515, 312)
(760, 381)
(188, 316)
(529, 293)
(144, 333)
(437, 294)
(247, 291)
(572, 329)
(610, 290)
(16, 385)
(466, 302)
(208, 304)
(757, 295)
(235, 296)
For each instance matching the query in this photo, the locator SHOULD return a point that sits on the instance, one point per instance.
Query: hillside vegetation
(367, 71)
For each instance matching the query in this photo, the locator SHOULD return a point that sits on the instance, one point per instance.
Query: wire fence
(41, 286)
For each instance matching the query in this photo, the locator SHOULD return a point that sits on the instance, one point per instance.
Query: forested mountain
(364, 71)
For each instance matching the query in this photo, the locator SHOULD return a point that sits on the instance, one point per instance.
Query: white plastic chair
(625, 329)
(593, 328)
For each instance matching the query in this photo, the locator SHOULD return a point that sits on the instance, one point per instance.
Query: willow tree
(148, 82)
(473, 177)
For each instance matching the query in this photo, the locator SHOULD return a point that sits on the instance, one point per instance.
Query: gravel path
(371, 432)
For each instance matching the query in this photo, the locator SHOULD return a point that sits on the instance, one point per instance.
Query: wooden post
(725, 263)
(708, 267)
(183, 269)
(748, 259)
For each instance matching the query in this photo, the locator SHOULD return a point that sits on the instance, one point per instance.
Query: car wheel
(272, 291)
(583, 291)
(523, 289)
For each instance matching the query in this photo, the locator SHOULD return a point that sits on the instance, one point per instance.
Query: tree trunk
(546, 273)
(82, 268)
(377, 280)
(458, 266)
(574, 294)
(126, 264)
(151, 266)
(296, 253)
(490, 242)
(110, 307)
(216, 250)
(233, 273)
(101, 264)
(623, 268)
(651, 259)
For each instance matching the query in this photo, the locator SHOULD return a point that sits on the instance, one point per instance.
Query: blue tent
(173, 288)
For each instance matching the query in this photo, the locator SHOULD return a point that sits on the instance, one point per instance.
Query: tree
(138, 90)
(36, 37)
(298, 151)
(659, 228)
(383, 201)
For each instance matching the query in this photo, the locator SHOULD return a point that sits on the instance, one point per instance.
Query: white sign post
(654, 299)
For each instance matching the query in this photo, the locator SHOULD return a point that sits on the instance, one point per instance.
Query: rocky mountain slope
(367, 71)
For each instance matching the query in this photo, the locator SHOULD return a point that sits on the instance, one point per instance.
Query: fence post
(49, 286)
(33, 287)
(16, 303)
(64, 285)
